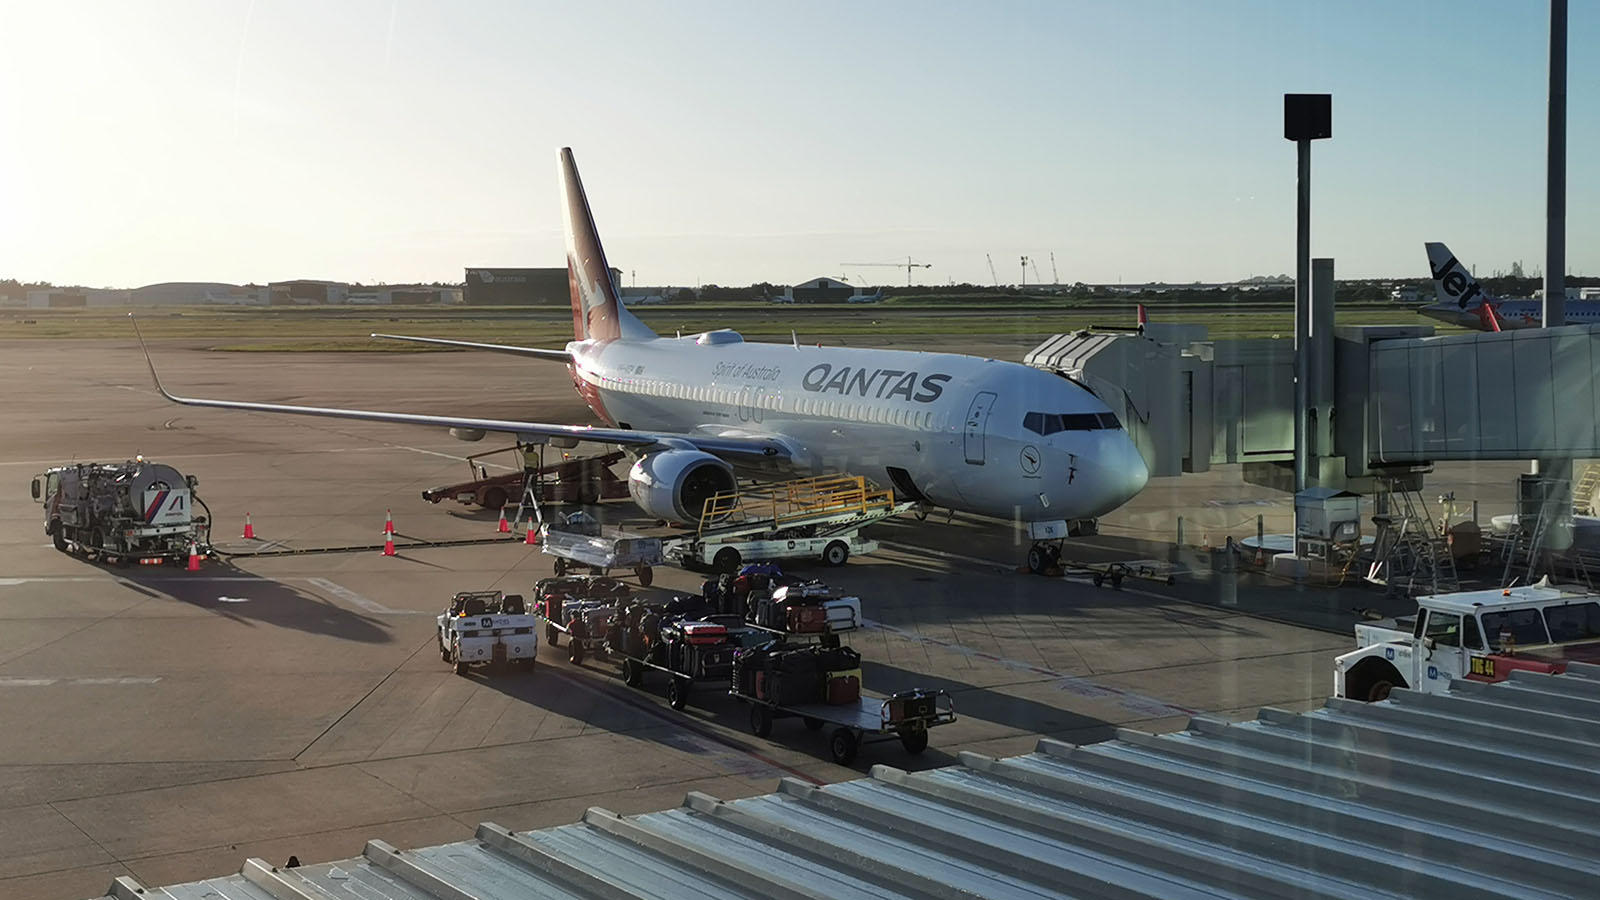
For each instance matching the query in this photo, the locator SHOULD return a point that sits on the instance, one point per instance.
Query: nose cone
(1120, 473)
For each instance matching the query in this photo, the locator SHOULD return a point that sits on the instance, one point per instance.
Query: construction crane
(992, 275)
(908, 265)
(1024, 271)
(1055, 276)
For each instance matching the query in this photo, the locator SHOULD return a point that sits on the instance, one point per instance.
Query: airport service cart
(580, 607)
(580, 541)
(487, 628)
(905, 716)
(688, 651)
(809, 519)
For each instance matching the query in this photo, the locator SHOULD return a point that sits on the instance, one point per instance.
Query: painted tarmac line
(366, 603)
(337, 590)
(46, 681)
(1079, 685)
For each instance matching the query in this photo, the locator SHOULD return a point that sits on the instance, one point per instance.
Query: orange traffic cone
(533, 534)
(504, 527)
(249, 530)
(388, 544)
(194, 557)
(388, 522)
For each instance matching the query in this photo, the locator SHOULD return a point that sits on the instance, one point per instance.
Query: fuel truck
(128, 512)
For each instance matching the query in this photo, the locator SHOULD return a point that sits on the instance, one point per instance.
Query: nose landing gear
(1043, 557)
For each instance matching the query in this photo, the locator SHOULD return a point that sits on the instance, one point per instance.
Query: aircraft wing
(535, 352)
(748, 448)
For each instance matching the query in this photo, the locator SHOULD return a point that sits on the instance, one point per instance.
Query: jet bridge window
(1050, 423)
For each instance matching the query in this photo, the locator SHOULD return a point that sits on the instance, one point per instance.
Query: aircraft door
(977, 422)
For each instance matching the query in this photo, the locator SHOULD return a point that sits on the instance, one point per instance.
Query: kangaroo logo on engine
(880, 383)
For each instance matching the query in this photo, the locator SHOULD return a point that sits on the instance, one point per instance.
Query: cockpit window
(1050, 423)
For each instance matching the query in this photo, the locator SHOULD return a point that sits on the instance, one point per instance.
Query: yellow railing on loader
(787, 503)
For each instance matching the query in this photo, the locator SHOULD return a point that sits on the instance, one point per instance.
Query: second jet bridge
(1400, 397)
(1524, 394)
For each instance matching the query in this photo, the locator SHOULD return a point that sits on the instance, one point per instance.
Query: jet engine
(467, 434)
(675, 484)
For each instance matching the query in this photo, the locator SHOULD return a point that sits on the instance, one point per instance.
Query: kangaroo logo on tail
(597, 310)
(1452, 283)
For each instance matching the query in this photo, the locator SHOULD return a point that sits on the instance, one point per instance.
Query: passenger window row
(1050, 423)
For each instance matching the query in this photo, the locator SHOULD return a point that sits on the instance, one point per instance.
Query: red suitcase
(807, 619)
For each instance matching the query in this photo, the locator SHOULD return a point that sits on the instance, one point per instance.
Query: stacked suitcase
(794, 675)
(804, 609)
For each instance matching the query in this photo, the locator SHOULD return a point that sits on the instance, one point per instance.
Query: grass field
(346, 328)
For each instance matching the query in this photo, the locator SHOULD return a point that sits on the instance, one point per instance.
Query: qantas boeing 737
(979, 435)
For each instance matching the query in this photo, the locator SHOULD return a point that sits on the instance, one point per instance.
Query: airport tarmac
(168, 724)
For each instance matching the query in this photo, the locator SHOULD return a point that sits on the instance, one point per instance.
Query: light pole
(1306, 118)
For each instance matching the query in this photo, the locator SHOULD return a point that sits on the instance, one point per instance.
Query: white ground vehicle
(580, 541)
(487, 628)
(809, 518)
(1475, 635)
(133, 511)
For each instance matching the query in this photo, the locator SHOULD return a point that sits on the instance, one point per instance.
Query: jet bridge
(1523, 394)
(1386, 399)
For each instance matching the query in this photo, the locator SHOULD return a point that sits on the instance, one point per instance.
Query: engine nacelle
(675, 484)
(467, 434)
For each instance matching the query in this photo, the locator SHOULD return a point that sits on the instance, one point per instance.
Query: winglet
(153, 376)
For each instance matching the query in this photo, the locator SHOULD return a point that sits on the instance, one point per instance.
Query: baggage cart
(688, 651)
(905, 717)
(580, 607)
(580, 541)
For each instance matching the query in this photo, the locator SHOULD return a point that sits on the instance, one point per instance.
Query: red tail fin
(597, 310)
(1491, 320)
(1144, 318)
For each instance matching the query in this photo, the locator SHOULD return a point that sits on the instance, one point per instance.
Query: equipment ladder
(1583, 493)
(532, 487)
(1529, 546)
(1411, 555)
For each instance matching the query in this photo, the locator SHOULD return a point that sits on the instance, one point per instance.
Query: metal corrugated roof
(1484, 791)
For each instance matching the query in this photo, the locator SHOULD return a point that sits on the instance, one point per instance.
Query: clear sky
(399, 140)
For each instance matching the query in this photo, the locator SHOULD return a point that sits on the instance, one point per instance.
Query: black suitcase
(794, 688)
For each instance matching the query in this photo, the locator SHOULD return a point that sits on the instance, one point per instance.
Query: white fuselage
(967, 433)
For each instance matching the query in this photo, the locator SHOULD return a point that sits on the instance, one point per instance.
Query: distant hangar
(521, 287)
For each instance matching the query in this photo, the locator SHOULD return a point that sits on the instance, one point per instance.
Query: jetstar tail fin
(1453, 283)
